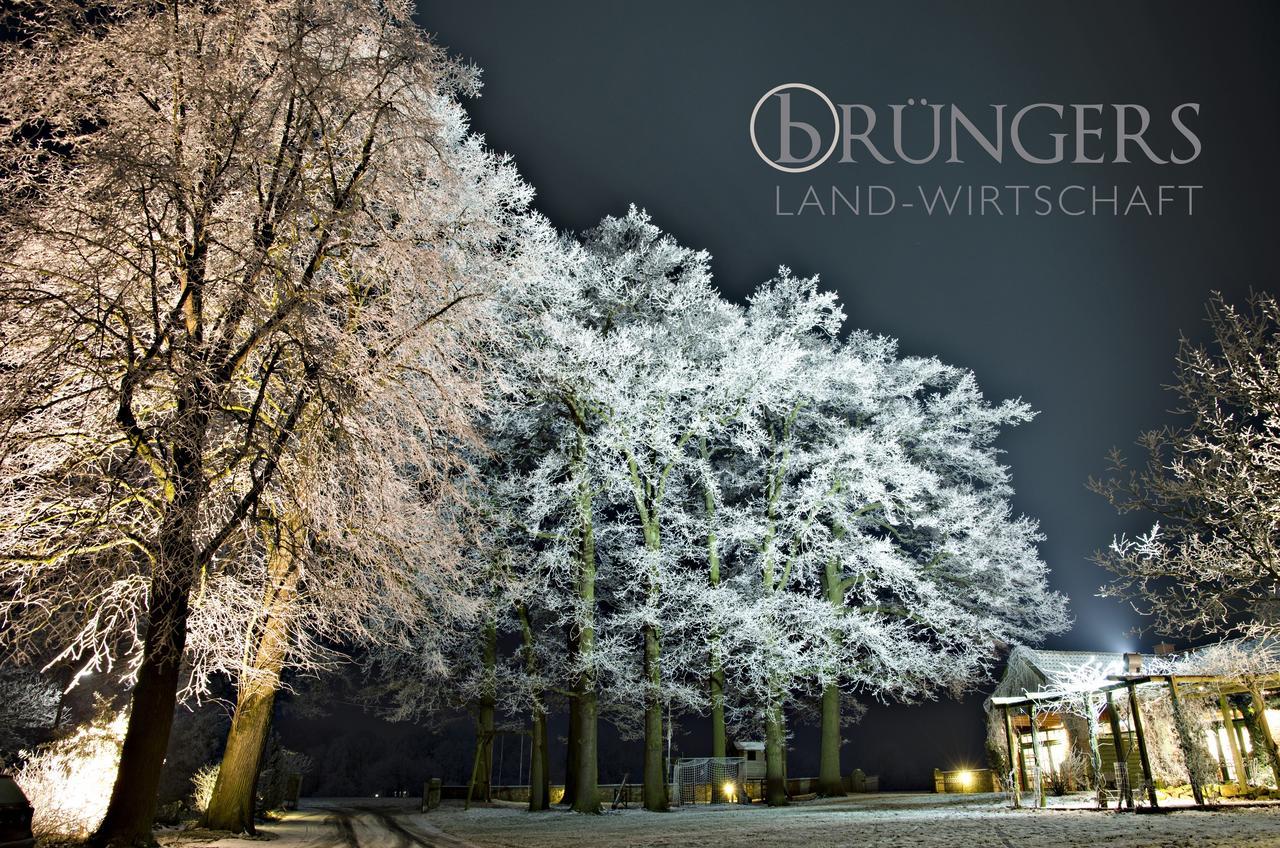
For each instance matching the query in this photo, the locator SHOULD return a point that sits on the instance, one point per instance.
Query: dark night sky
(607, 103)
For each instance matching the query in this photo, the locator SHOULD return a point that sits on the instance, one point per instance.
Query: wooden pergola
(1222, 685)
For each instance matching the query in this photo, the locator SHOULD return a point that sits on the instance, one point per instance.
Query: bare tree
(1211, 563)
(223, 230)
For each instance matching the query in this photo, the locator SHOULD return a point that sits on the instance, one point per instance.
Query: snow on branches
(1210, 565)
(712, 491)
(245, 277)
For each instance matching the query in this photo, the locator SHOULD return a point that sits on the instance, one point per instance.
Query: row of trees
(699, 507)
(290, 367)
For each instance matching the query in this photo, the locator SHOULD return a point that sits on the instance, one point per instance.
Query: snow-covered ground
(866, 821)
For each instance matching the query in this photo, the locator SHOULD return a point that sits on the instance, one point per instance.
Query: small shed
(753, 752)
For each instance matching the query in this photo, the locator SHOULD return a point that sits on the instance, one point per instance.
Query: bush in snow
(68, 781)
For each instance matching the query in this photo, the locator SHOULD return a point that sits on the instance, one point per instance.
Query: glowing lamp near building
(729, 792)
(965, 778)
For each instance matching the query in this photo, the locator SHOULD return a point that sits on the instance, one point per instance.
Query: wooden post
(1095, 756)
(1186, 739)
(1142, 745)
(1223, 758)
(1035, 758)
(1022, 761)
(1260, 710)
(1242, 734)
(1237, 759)
(1013, 758)
(1121, 747)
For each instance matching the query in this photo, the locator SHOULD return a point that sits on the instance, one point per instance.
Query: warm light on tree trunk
(232, 805)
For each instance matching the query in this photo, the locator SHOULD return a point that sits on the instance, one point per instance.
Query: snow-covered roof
(749, 745)
(1035, 670)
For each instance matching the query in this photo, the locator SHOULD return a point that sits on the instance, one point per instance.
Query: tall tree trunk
(654, 791)
(719, 737)
(775, 775)
(482, 789)
(586, 797)
(715, 679)
(655, 779)
(571, 754)
(232, 805)
(539, 774)
(539, 779)
(574, 738)
(830, 782)
(546, 763)
(131, 810)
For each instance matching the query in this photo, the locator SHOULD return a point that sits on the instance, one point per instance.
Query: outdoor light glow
(965, 778)
(69, 781)
(729, 790)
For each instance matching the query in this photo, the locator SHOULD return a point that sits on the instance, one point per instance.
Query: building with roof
(1137, 724)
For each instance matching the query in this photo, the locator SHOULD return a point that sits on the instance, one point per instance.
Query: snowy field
(869, 821)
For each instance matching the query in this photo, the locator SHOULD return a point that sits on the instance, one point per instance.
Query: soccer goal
(706, 780)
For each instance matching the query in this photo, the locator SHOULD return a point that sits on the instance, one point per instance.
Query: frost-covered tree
(787, 331)
(541, 603)
(663, 335)
(1210, 565)
(522, 553)
(365, 533)
(590, 352)
(544, 483)
(617, 367)
(870, 511)
(225, 224)
(710, 498)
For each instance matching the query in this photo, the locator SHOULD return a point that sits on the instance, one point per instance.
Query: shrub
(202, 783)
(69, 781)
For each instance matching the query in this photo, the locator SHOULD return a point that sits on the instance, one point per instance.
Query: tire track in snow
(1004, 840)
(416, 837)
(346, 830)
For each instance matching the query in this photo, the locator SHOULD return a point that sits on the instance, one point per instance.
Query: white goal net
(706, 780)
